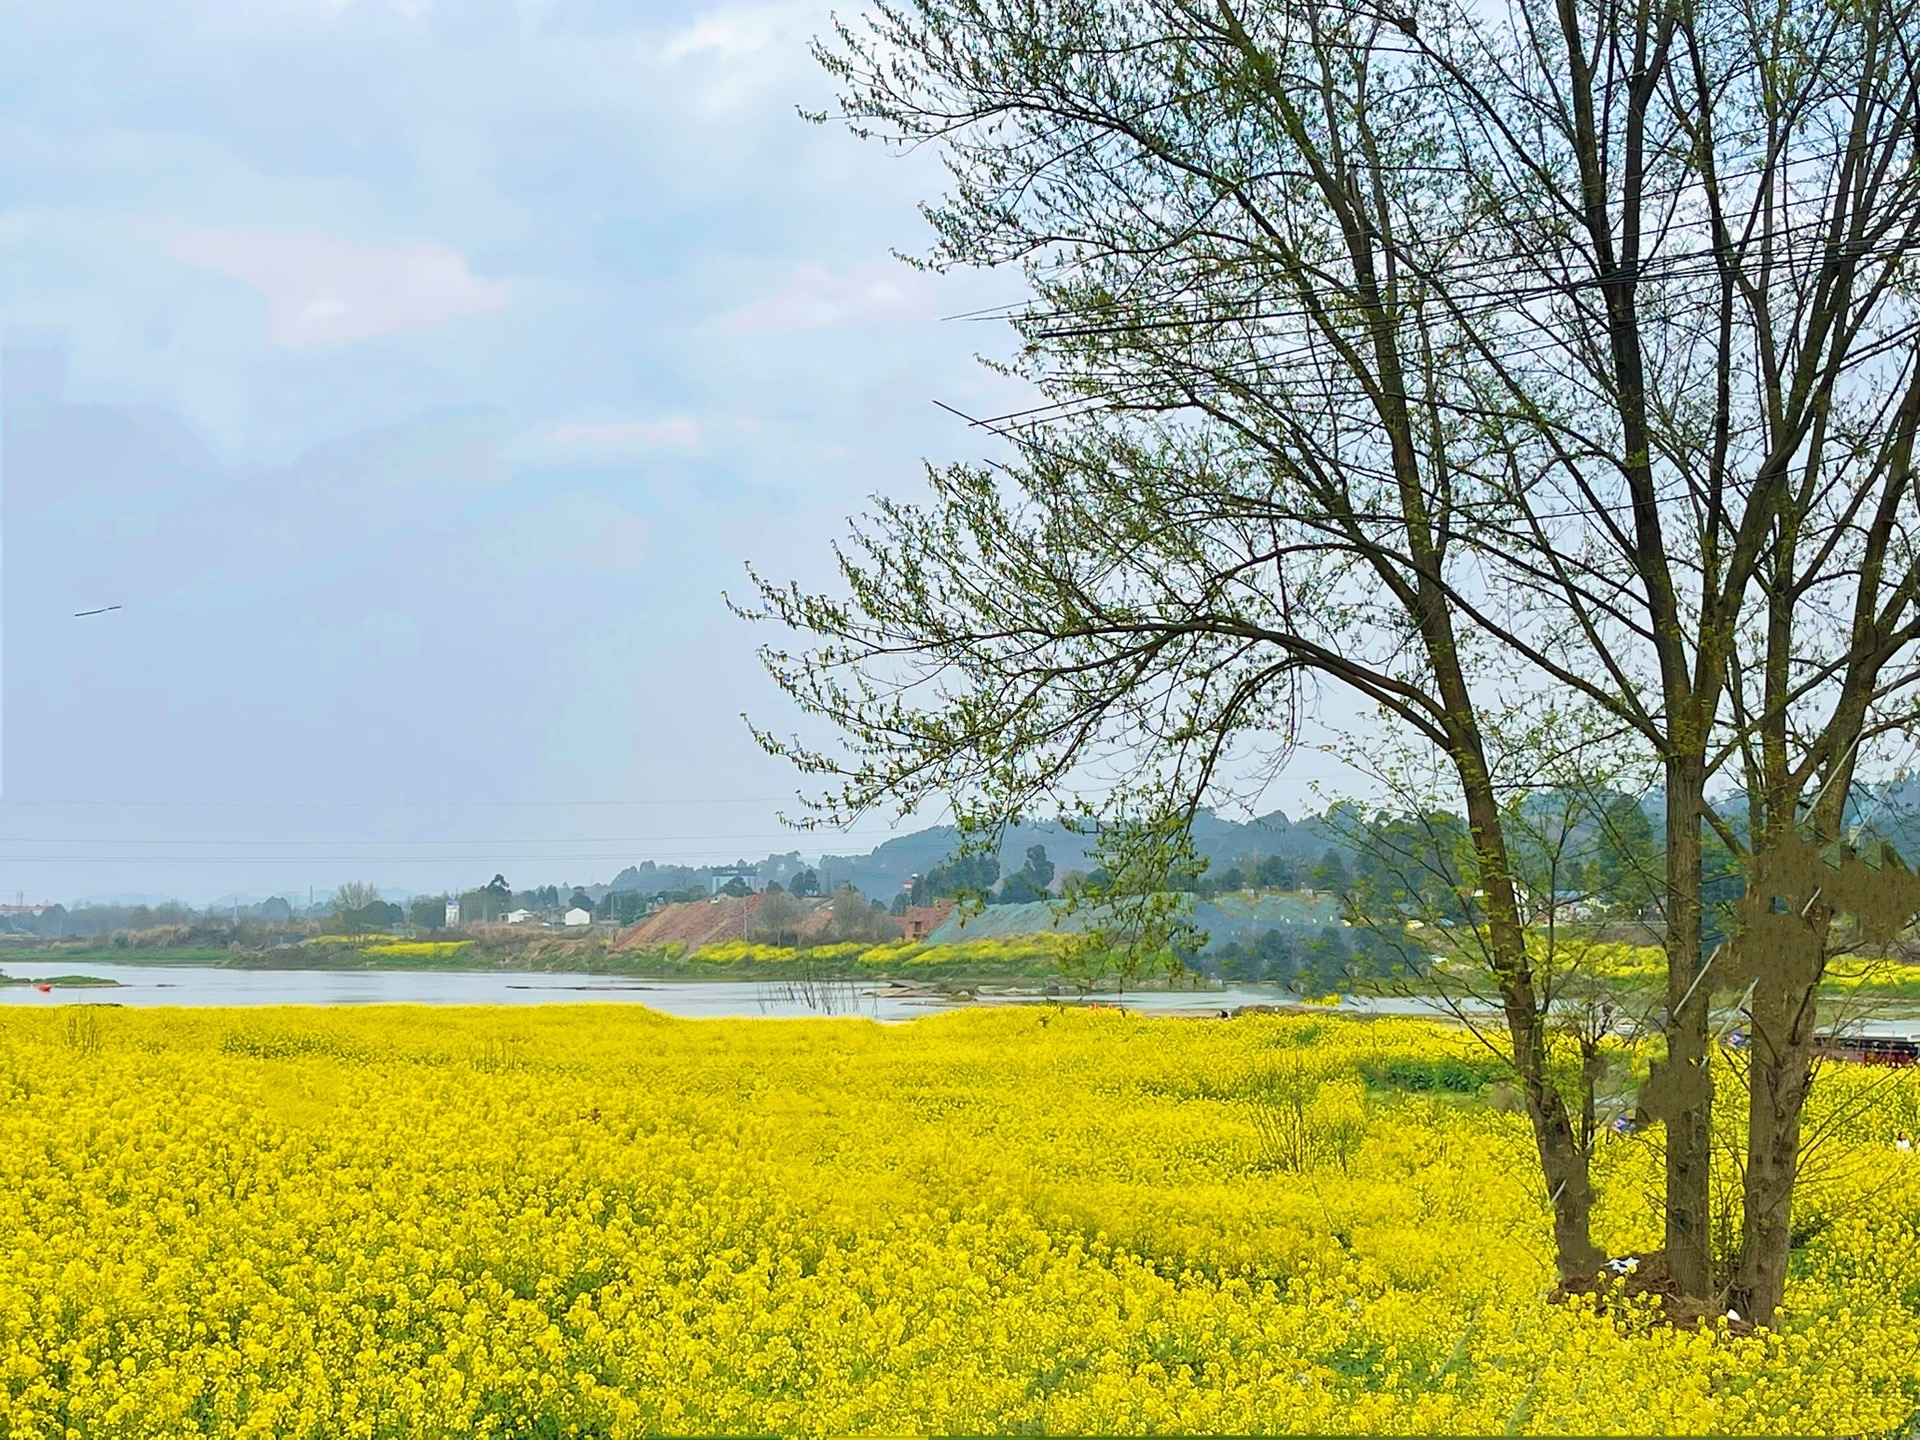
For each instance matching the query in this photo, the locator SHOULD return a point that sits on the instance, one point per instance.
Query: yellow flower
(364, 1223)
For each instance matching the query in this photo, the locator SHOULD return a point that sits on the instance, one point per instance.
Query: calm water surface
(692, 999)
(206, 985)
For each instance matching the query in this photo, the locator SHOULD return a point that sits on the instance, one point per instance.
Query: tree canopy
(1542, 379)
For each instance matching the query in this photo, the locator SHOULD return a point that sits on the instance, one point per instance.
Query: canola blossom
(979, 957)
(600, 1221)
(386, 947)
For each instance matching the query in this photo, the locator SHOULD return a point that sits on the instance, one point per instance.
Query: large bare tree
(1718, 208)
(1482, 364)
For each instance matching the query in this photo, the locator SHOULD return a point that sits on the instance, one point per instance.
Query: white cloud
(723, 66)
(628, 436)
(818, 298)
(320, 290)
(729, 36)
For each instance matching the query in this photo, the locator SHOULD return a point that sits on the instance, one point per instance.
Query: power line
(1471, 266)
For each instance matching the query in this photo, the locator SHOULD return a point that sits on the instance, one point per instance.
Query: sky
(415, 377)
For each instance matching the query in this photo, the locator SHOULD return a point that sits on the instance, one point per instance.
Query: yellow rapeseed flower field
(416, 950)
(600, 1221)
(985, 956)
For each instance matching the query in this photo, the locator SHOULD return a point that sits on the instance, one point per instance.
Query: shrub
(1447, 1074)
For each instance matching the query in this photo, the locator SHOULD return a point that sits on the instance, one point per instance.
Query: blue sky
(415, 376)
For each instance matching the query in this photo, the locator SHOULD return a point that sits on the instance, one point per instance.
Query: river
(206, 985)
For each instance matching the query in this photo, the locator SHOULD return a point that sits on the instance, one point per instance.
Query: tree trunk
(1795, 892)
(1688, 1111)
(1565, 1161)
(1782, 1069)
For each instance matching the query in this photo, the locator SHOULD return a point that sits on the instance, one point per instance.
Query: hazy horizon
(413, 380)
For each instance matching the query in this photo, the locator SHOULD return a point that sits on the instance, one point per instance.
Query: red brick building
(921, 921)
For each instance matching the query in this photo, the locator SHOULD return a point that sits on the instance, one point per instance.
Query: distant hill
(1890, 809)
(884, 871)
(1885, 809)
(1228, 918)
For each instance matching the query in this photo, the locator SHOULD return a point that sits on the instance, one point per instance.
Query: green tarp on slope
(1230, 917)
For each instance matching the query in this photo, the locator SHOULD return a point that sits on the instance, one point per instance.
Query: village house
(1561, 907)
(723, 875)
(920, 921)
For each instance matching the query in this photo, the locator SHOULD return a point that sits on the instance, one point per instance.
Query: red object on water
(44, 989)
